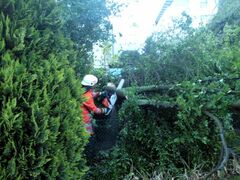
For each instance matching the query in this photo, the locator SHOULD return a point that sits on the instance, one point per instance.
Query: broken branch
(225, 155)
(156, 103)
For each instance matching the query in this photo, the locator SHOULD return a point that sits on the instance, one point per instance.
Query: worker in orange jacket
(89, 107)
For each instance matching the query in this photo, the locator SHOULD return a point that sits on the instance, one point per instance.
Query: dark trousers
(90, 150)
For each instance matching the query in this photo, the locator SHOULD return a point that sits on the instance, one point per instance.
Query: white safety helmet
(89, 80)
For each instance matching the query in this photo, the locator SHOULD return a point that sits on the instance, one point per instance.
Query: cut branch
(156, 103)
(164, 88)
(218, 79)
(225, 155)
(168, 105)
(172, 90)
(152, 88)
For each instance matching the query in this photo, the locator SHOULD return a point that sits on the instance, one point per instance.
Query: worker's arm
(93, 108)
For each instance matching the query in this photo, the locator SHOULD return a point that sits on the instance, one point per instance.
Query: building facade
(201, 11)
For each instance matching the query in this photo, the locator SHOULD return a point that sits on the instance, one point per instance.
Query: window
(204, 3)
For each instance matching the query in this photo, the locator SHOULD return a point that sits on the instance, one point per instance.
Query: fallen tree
(164, 131)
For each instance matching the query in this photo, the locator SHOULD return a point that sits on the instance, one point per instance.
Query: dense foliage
(42, 135)
(183, 53)
(45, 44)
(205, 70)
(228, 13)
(86, 23)
(172, 141)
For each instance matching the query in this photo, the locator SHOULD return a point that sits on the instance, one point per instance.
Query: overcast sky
(135, 22)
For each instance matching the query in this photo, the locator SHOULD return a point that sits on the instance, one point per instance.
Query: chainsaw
(113, 98)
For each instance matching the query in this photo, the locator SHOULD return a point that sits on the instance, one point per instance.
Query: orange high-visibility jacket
(89, 107)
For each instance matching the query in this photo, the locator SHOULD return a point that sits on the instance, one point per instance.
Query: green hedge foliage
(42, 135)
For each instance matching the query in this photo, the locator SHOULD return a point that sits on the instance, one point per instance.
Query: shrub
(42, 135)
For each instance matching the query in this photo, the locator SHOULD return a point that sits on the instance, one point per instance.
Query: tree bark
(156, 103)
(224, 156)
(151, 88)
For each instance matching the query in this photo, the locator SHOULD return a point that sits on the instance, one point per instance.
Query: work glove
(106, 103)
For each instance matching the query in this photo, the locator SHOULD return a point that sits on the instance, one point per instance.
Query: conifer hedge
(41, 132)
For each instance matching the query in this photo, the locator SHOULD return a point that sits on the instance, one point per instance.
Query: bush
(205, 70)
(42, 135)
(171, 141)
